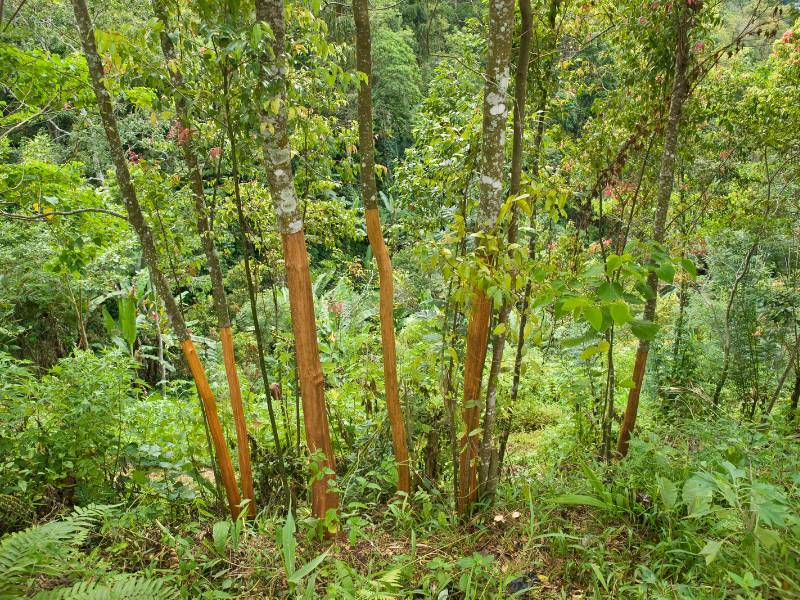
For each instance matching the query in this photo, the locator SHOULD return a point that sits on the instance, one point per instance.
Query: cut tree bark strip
(145, 235)
(366, 148)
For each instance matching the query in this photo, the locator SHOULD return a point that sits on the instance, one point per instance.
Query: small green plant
(287, 542)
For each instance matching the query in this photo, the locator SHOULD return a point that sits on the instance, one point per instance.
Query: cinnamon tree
(666, 177)
(219, 299)
(495, 113)
(277, 161)
(369, 192)
(149, 254)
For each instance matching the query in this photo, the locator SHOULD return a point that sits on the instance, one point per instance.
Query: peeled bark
(366, 148)
(218, 297)
(666, 177)
(137, 221)
(277, 159)
(495, 112)
(488, 476)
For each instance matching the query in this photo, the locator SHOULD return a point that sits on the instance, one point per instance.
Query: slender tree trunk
(369, 192)
(137, 221)
(726, 341)
(277, 159)
(251, 288)
(779, 388)
(666, 177)
(795, 396)
(487, 480)
(218, 297)
(495, 112)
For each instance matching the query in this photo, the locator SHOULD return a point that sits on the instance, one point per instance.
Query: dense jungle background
(399, 299)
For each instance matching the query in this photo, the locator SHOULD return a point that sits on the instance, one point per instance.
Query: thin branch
(61, 213)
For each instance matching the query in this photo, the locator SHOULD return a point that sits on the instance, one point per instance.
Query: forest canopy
(417, 299)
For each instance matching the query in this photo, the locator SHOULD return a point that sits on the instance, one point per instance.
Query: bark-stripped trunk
(666, 177)
(489, 455)
(495, 112)
(137, 221)
(218, 297)
(366, 148)
(277, 159)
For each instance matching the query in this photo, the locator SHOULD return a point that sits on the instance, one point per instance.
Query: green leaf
(644, 330)
(594, 316)
(595, 349)
(609, 291)
(668, 492)
(219, 534)
(613, 262)
(620, 312)
(579, 500)
(288, 544)
(687, 264)
(697, 495)
(710, 550)
(666, 272)
(306, 569)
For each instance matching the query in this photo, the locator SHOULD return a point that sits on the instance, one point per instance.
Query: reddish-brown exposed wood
(214, 426)
(389, 352)
(477, 338)
(243, 448)
(315, 418)
(218, 296)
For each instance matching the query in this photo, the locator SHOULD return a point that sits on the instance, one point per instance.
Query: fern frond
(44, 549)
(120, 587)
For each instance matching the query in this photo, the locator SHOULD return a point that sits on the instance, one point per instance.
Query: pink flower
(608, 191)
(606, 243)
(699, 46)
(787, 36)
(215, 152)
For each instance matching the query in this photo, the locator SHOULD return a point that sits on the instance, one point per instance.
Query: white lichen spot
(491, 182)
(497, 109)
(294, 226)
(286, 206)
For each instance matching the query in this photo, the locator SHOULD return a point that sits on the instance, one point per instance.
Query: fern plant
(50, 548)
(118, 587)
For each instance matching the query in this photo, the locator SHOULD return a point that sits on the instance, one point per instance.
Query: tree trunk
(218, 297)
(369, 192)
(495, 112)
(726, 342)
(795, 396)
(277, 159)
(137, 221)
(666, 176)
(487, 480)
